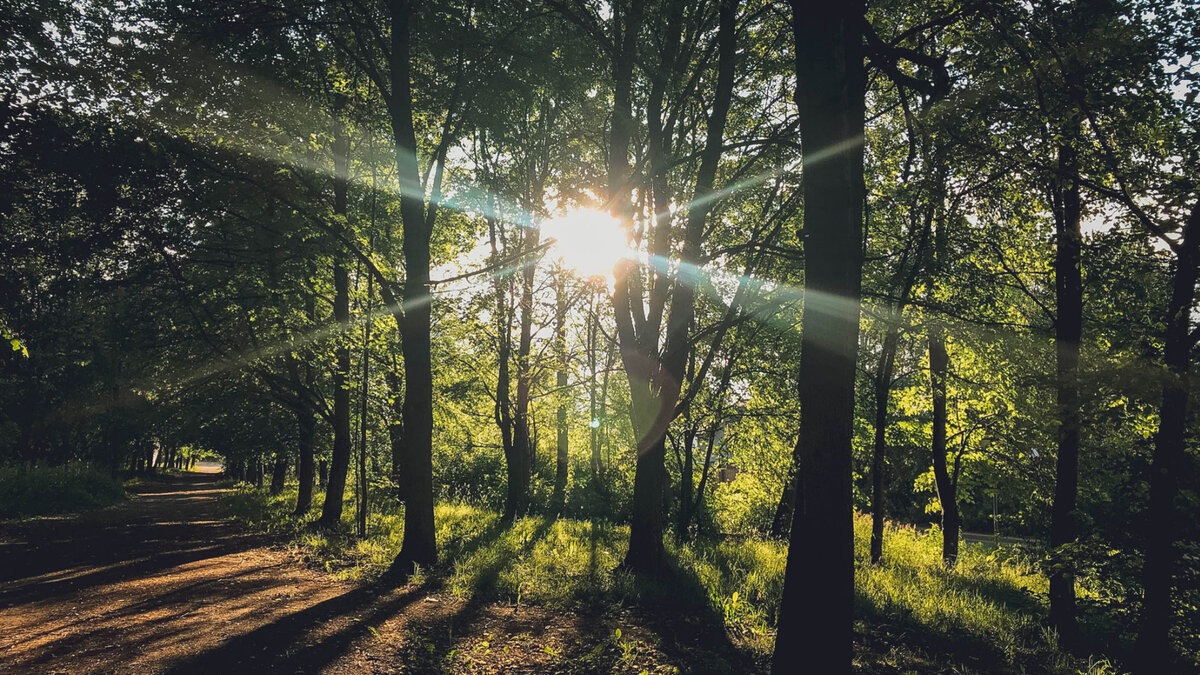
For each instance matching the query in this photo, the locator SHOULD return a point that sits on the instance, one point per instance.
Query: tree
(830, 93)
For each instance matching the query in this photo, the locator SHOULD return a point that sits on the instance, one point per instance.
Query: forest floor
(166, 582)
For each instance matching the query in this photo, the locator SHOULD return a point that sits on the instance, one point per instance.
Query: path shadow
(312, 638)
(294, 643)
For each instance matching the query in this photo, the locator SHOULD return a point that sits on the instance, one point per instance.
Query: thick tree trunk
(419, 546)
(647, 554)
(306, 425)
(331, 510)
(883, 390)
(1153, 648)
(815, 623)
(1068, 334)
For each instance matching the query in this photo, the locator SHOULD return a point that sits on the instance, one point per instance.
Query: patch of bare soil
(166, 583)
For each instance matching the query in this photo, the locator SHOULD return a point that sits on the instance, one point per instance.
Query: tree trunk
(520, 464)
(560, 381)
(594, 421)
(419, 546)
(323, 473)
(307, 430)
(883, 389)
(279, 473)
(647, 554)
(1068, 334)
(947, 490)
(396, 431)
(331, 510)
(361, 479)
(815, 623)
(660, 396)
(781, 524)
(687, 485)
(1153, 646)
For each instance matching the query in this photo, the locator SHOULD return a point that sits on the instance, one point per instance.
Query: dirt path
(164, 583)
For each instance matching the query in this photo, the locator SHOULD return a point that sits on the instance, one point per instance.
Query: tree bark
(781, 524)
(396, 431)
(279, 473)
(883, 390)
(1153, 647)
(339, 469)
(1068, 334)
(947, 490)
(560, 380)
(520, 464)
(419, 546)
(815, 623)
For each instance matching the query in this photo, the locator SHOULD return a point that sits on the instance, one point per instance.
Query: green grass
(44, 490)
(992, 604)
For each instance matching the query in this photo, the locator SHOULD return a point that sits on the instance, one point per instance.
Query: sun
(587, 241)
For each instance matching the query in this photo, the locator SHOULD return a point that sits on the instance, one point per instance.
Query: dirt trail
(139, 587)
(165, 583)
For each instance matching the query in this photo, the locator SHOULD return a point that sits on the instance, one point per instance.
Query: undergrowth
(46, 490)
(988, 610)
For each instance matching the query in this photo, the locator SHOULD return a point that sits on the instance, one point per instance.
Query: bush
(44, 490)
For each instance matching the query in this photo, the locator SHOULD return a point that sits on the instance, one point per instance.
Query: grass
(47, 490)
(989, 609)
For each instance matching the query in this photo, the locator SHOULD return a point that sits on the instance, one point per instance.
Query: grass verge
(985, 615)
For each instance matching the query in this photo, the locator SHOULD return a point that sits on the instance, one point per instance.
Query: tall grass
(45, 490)
(992, 602)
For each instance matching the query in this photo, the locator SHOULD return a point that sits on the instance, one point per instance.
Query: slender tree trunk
(520, 465)
(781, 524)
(1153, 648)
(1068, 334)
(560, 380)
(594, 420)
(947, 490)
(419, 545)
(396, 431)
(883, 390)
(306, 425)
(514, 486)
(363, 490)
(279, 473)
(687, 485)
(323, 473)
(815, 623)
(331, 510)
